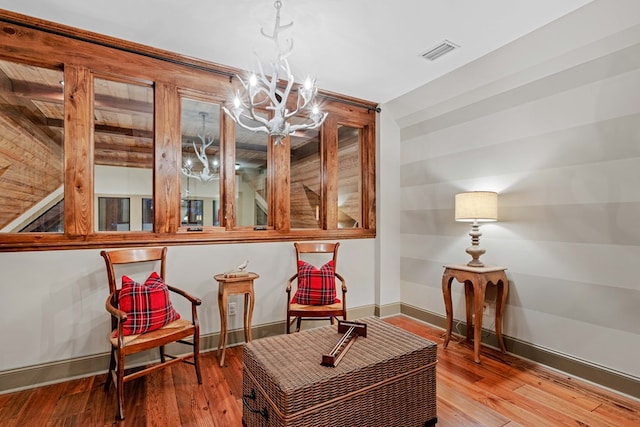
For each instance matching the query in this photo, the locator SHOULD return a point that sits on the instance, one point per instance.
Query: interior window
(114, 214)
(216, 213)
(349, 177)
(147, 214)
(192, 212)
(31, 149)
(123, 144)
(252, 201)
(142, 136)
(306, 179)
(200, 162)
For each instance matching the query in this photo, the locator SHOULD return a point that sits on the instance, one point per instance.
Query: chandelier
(262, 92)
(205, 174)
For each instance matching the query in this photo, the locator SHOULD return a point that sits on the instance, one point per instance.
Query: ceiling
(367, 49)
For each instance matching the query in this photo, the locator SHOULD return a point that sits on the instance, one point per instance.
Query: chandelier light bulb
(308, 84)
(236, 102)
(253, 80)
(316, 116)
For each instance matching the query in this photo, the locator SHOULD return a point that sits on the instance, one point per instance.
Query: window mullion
(279, 181)
(78, 149)
(167, 146)
(228, 172)
(329, 138)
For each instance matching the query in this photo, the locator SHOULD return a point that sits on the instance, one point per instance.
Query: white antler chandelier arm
(237, 111)
(262, 92)
(201, 152)
(239, 117)
(204, 174)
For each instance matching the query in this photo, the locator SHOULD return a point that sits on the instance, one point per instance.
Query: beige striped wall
(552, 123)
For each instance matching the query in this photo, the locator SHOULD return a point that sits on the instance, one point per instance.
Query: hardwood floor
(502, 391)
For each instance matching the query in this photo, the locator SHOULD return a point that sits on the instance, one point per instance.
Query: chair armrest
(343, 282)
(119, 315)
(291, 279)
(194, 302)
(115, 312)
(191, 298)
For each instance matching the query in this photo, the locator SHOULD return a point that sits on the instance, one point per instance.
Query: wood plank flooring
(502, 391)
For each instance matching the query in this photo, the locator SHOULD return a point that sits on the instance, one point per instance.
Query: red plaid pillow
(147, 306)
(316, 287)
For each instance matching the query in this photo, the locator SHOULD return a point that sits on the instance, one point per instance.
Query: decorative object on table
(475, 207)
(314, 295)
(152, 321)
(387, 379)
(238, 271)
(351, 331)
(262, 92)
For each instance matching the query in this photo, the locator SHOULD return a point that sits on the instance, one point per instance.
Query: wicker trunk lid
(386, 379)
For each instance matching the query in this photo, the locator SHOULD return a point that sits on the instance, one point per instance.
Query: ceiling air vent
(436, 52)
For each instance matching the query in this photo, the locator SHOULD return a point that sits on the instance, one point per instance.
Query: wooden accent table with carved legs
(232, 286)
(475, 281)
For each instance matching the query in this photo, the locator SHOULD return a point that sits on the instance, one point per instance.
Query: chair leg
(290, 321)
(298, 323)
(161, 353)
(120, 385)
(196, 355)
(112, 365)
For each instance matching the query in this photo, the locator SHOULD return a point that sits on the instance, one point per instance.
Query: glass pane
(349, 177)
(306, 177)
(147, 214)
(216, 213)
(123, 145)
(252, 207)
(191, 212)
(31, 149)
(201, 161)
(114, 214)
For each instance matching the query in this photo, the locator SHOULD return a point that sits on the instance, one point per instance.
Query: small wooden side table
(233, 286)
(475, 281)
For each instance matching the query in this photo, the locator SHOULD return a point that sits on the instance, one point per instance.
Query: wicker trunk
(386, 379)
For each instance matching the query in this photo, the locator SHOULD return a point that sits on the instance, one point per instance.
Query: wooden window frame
(83, 55)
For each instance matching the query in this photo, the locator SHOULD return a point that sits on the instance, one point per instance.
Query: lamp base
(475, 252)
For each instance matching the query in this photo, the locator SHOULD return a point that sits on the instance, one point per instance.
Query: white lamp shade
(476, 206)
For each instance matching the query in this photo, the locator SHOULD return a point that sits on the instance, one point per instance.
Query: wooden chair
(176, 331)
(298, 312)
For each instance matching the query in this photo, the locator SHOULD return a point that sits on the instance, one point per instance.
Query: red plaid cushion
(147, 306)
(315, 287)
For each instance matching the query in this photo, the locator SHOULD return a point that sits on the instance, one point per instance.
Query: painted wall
(552, 123)
(387, 266)
(52, 303)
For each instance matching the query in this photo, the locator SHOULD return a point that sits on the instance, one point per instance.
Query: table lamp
(475, 207)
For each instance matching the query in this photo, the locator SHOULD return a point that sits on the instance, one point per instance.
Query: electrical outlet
(231, 308)
(489, 310)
